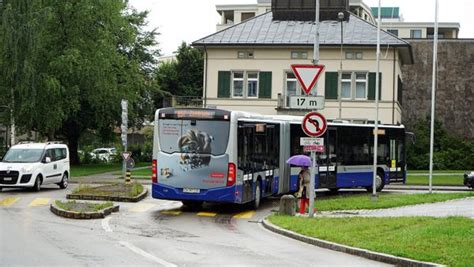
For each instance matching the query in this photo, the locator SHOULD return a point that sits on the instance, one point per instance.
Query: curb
(83, 215)
(371, 255)
(109, 198)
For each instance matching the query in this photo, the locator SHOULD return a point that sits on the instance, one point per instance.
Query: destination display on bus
(199, 114)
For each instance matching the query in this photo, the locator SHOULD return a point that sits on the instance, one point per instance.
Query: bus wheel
(379, 183)
(258, 196)
(192, 205)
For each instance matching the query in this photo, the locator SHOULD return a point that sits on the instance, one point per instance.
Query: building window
(415, 33)
(238, 84)
(354, 55)
(247, 15)
(293, 88)
(245, 54)
(299, 55)
(354, 86)
(393, 31)
(252, 84)
(245, 84)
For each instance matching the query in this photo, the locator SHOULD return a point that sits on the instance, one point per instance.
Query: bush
(450, 152)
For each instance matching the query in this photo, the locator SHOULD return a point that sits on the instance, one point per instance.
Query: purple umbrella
(299, 160)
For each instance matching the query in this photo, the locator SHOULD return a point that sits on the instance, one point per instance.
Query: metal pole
(341, 18)
(12, 119)
(313, 154)
(376, 131)
(433, 94)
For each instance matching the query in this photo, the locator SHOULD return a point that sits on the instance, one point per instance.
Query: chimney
(304, 10)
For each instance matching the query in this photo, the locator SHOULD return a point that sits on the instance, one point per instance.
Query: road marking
(206, 214)
(245, 215)
(39, 202)
(105, 224)
(146, 254)
(171, 212)
(142, 207)
(8, 201)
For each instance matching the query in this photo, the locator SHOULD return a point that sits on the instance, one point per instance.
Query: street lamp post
(340, 17)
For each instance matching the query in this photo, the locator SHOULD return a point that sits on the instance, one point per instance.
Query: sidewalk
(426, 187)
(456, 207)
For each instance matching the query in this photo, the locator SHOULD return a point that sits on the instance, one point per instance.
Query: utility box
(305, 10)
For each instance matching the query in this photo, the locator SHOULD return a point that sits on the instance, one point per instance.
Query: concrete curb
(141, 196)
(425, 188)
(371, 255)
(83, 215)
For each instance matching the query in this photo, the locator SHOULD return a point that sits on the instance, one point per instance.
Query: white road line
(105, 224)
(146, 254)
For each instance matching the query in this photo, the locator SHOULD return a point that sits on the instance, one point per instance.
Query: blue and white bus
(225, 156)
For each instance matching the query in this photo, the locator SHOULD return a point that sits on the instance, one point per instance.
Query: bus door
(397, 157)
(328, 161)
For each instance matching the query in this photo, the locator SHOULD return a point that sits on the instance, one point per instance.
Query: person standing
(304, 187)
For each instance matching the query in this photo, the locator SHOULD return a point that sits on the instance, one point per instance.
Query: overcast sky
(190, 20)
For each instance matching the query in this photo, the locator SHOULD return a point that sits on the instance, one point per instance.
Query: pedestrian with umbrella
(303, 179)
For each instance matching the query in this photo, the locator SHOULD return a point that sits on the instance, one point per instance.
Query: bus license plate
(191, 190)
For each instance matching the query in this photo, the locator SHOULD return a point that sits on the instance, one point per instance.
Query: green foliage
(450, 152)
(70, 62)
(446, 241)
(81, 207)
(180, 77)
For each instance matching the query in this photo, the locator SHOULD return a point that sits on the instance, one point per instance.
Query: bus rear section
(190, 162)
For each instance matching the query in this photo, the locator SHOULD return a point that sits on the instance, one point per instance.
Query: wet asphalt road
(142, 235)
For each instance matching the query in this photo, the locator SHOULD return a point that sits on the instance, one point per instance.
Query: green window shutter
(331, 85)
(223, 84)
(371, 93)
(265, 85)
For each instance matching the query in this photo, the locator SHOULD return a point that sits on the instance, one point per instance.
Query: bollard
(128, 175)
(287, 205)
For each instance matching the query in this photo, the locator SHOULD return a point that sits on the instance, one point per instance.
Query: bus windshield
(193, 136)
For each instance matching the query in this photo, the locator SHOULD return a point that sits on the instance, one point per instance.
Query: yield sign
(307, 75)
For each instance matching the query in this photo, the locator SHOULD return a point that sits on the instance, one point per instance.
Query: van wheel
(37, 185)
(64, 182)
(258, 196)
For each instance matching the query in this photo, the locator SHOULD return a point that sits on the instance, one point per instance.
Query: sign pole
(124, 129)
(377, 87)
(313, 154)
(433, 95)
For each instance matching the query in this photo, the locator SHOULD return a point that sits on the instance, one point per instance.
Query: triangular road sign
(307, 75)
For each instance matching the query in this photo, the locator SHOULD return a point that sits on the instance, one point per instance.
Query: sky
(190, 20)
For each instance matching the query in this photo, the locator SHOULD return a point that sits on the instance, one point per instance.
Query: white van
(35, 164)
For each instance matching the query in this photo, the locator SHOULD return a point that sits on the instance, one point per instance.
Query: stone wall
(455, 90)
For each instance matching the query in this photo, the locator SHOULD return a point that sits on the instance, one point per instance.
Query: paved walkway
(458, 207)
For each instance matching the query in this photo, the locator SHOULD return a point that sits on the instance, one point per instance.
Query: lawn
(344, 202)
(448, 241)
(114, 190)
(435, 172)
(437, 179)
(90, 169)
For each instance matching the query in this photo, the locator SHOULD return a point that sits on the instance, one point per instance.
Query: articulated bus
(216, 155)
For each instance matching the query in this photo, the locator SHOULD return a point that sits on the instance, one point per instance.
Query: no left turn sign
(314, 124)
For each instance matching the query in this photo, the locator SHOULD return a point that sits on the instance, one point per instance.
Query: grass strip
(437, 180)
(385, 200)
(91, 169)
(436, 171)
(114, 190)
(448, 241)
(82, 207)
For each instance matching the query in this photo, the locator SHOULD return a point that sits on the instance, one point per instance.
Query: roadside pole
(313, 154)
(377, 87)
(433, 94)
(124, 130)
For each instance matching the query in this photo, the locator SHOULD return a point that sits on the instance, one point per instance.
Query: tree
(180, 77)
(88, 56)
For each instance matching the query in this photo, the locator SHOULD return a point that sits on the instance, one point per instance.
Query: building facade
(247, 67)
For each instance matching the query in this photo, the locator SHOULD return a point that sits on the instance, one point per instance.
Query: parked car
(469, 179)
(104, 153)
(35, 164)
